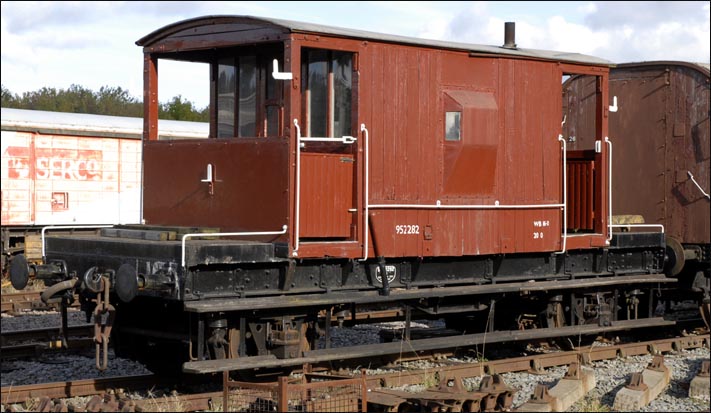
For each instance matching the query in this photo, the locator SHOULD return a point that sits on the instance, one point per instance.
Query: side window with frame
(452, 126)
(226, 96)
(249, 100)
(327, 82)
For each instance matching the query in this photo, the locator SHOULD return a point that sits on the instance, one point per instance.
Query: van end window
(250, 102)
(452, 126)
(226, 81)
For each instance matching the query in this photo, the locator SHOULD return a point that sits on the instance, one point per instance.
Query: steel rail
(47, 333)
(205, 401)
(415, 347)
(25, 300)
(17, 394)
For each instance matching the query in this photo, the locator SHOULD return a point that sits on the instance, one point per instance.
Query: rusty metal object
(17, 394)
(102, 331)
(637, 382)
(50, 294)
(541, 395)
(657, 364)
(573, 371)
(26, 300)
(500, 395)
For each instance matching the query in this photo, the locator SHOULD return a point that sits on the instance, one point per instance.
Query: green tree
(179, 109)
(9, 99)
(43, 99)
(113, 101)
(117, 101)
(77, 99)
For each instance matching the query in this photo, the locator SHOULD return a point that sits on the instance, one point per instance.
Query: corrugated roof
(301, 27)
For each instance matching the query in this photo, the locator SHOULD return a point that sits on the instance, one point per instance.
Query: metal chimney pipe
(509, 35)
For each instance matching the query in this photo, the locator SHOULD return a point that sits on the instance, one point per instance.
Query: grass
(167, 404)
(589, 404)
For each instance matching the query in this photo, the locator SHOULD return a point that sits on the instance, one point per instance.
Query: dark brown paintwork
(509, 153)
(659, 134)
(250, 189)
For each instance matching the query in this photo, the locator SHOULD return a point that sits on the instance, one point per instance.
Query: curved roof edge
(301, 27)
(86, 124)
(704, 68)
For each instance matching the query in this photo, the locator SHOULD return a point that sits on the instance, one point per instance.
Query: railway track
(30, 300)
(110, 392)
(18, 394)
(33, 342)
(26, 300)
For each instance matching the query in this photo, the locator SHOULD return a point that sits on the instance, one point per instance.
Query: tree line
(113, 101)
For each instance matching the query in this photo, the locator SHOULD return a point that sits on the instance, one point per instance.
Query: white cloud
(92, 44)
(617, 31)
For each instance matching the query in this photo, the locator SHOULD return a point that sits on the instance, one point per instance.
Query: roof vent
(509, 35)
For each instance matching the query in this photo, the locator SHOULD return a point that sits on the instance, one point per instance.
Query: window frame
(458, 123)
(331, 92)
(264, 56)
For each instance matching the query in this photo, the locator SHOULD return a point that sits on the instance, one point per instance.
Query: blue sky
(92, 44)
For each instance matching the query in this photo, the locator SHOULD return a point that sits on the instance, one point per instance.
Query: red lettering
(59, 164)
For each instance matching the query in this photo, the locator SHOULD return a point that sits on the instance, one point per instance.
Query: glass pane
(247, 96)
(225, 98)
(342, 67)
(272, 121)
(317, 92)
(451, 126)
(271, 82)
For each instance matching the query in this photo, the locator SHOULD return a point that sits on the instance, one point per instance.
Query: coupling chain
(103, 331)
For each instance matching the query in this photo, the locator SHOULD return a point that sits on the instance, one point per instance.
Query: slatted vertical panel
(580, 195)
(326, 195)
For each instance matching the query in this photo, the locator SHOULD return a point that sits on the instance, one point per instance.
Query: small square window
(451, 126)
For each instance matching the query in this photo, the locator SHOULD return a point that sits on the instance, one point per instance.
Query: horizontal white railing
(223, 234)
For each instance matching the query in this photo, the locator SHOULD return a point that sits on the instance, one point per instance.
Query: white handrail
(639, 226)
(44, 229)
(295, 253)
(346, 140)
(439, 205)
(343, 139)
(365, 194)
(276, 74)
(609, 189)
(697, 185)
(223, 234)
(564, 239)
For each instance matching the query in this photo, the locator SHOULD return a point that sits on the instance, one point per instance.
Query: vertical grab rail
(366, 198)
(609, 190)
(564, 235)
(302, 141)
(295, 253)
